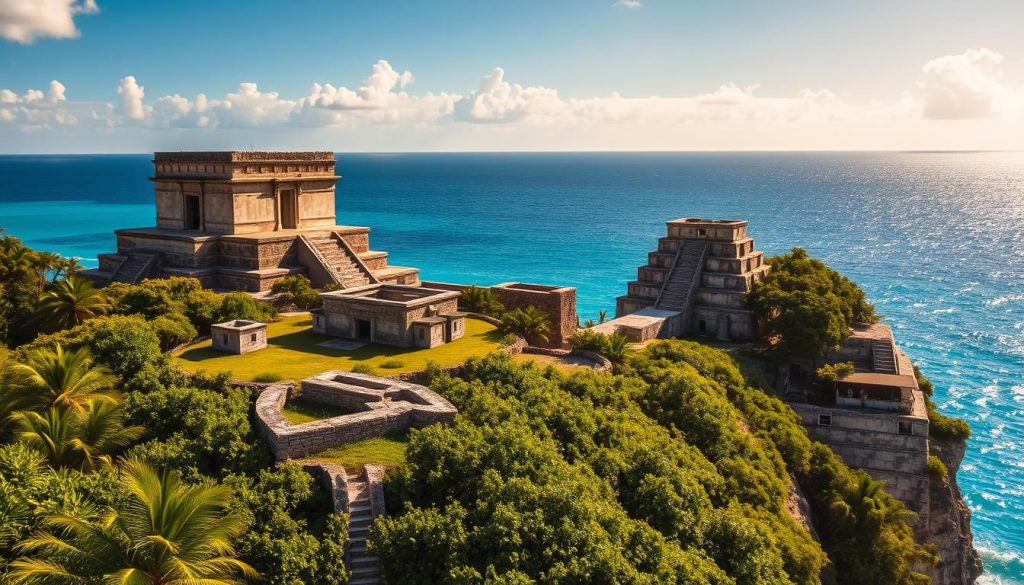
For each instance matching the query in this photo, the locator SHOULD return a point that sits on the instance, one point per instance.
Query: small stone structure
(558, 302)
(241, 220)
(239, 336)
(379, 406)
(695, 282)
(403, 316)
(879, 422)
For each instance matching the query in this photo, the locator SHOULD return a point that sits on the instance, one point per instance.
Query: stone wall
(383, 418)
(558, 302)
(871, 441)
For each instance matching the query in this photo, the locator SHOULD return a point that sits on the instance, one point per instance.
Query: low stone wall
(291, 441)
(375, 480)
(600, 363)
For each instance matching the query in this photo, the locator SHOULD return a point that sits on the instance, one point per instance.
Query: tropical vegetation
(805, 307)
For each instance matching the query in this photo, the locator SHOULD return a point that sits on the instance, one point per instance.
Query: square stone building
(241, 220)
(239, 336)
(403, 316)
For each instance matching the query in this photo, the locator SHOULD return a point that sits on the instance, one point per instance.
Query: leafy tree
(602, 316)
(529, 321)
(125, 344)
(58, 378)
(173, 329)
(243, 306)
(70, 302)
(83, 440)
(166, 532)
(805, 306)
(481, 300)
(279, 506)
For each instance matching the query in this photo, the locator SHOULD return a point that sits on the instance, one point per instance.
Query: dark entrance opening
(288, 209)
(191, 212)
(794, 372)
(363, 329)
(702, 326)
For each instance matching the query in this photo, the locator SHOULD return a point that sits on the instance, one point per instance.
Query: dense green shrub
(545, 473)
(296, 289)
(243, 306)
(807, 307)
(940, 426)
(529, 321)
(124, 344)
(279, 506)
(173, 329)
(937, 469)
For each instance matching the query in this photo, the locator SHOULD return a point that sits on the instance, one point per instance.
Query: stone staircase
(135, 267)
(883, 357)
(363, 564)
(683, 276)
(342, 262)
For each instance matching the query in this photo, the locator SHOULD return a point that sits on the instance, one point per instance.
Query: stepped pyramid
(241, 220)
(695, 282)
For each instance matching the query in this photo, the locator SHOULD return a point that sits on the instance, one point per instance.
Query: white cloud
(497, 100)
(24, 21)
(964, 86)
(501, 113)
(132, 95)
(627, 3)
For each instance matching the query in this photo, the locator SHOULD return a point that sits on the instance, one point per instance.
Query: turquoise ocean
(936, 240)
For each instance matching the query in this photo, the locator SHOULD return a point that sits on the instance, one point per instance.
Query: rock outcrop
(949, 521)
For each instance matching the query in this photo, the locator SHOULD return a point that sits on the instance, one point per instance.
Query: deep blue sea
(936, 239)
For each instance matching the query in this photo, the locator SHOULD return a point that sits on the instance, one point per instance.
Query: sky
(138, 76)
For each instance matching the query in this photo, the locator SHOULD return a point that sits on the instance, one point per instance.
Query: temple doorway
(363, 330)
(191, 212)
(288, 209)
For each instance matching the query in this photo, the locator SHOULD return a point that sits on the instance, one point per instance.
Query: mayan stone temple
(241, 220)
(695, 282)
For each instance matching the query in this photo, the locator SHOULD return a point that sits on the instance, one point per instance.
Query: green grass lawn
(388, 451)
(298, 411)
(292, 353)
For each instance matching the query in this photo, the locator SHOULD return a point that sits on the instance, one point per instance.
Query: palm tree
(71, 302)
(82, 440)
(602, 316)
(529, 321)
(166, 533)
(481, 300)
(60, 378)
(615, 347)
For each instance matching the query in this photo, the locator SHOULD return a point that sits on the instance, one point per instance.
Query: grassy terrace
(388, 451)
(292, 353)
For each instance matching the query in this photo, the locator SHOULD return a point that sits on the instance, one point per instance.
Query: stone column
(277, 205)
(181, 199)
(202, 206)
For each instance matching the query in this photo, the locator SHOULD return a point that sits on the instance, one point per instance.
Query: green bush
(806, 306)
(366, 369)
(126, 345)
(830, 373)
(173, 329)
(298, 290)
(268, 377)
(937, 469)
(481, 300)
(392, 364)
(529, 321)
(940, 426)
(244, 306)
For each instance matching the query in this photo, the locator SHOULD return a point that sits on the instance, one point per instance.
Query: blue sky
(867, 55)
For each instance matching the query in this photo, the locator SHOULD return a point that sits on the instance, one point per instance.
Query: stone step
(365, 581)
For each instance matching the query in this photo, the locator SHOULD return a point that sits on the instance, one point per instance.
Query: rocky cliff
(949, 521)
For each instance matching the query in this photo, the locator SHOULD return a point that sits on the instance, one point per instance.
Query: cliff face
(949, 522)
